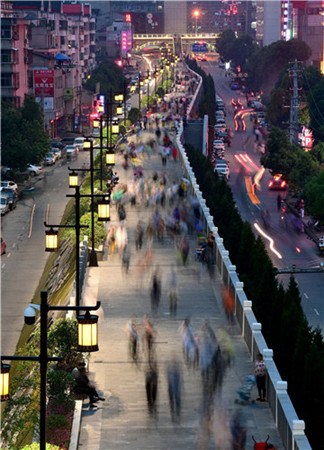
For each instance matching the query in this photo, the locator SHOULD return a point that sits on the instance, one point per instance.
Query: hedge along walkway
(123, 419)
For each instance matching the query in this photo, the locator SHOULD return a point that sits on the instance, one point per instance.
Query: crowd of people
(167, 212)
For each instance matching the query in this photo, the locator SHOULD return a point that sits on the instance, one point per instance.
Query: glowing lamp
(51, 240)
(87, 333)
(73, 179)
(4, 382)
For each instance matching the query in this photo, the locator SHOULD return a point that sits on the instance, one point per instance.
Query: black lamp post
(87, 341)
(139, 90)
(51, 240)
(88, 145)
(100, 123)
(148, 89)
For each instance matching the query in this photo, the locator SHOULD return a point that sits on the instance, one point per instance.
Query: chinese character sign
(43, 83)
(126, 41)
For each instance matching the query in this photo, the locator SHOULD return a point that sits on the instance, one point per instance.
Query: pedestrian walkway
(124, 420)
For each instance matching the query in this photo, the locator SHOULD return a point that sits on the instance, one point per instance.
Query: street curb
(76, 425)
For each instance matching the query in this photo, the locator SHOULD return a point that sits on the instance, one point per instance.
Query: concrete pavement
(122, 420)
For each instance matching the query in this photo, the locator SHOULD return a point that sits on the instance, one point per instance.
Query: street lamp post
(43, 357)
(88, 145)
(196, 14)
(51, 241)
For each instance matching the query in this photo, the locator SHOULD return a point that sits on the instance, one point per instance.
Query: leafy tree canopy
(109, 76)
(314, 193)
(24, 140)
(270, 60)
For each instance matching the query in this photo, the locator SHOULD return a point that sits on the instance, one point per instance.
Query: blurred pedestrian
(139, 235)
(189, 343)
(173, 294)
(155, 292)
(238, 431)
(149, 335)
(151, 386)
(111, 240)
(174, 387)
(132, 332)
(125, 260)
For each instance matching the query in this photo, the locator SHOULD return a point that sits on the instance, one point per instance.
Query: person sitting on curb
(83, 385)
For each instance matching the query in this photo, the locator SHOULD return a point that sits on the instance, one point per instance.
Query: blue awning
(61, 57)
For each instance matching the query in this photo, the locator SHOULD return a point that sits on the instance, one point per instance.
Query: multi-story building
(308, 25)
(49, 52)
(287, 19)
(14, 55)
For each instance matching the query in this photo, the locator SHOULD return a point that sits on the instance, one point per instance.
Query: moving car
(10, 185)
(277, 183)
(235, 86)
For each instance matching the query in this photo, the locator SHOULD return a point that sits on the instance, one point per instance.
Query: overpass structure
(178, 43)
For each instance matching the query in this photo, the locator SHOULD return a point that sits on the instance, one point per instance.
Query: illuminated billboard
(125, 41)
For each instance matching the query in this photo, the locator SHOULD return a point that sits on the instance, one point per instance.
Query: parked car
(71, 152)
(67, 141)
(49, 159)
(10, 185)
(12, 197)
(96, 132)
(57, 144)
(218, 143)
(4, 205)
(57, 153)
(79, 142)
(34, 170)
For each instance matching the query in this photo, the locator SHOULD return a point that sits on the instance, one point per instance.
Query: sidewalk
(122, 420)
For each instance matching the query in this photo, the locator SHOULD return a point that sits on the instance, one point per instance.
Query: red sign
(128, 17)
(126, 41)
(44, 82)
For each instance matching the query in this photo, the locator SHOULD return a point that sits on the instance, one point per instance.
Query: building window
(5, 56)
(6, 80)
(5, 31)
(62, 40)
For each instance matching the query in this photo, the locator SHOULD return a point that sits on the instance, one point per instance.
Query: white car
(10, 185)
(34, 170)
(219, 144)
(79, 142)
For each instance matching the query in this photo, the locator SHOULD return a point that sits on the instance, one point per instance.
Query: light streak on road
(316, 312)
(258, 177)
(271, 241)
(246, 167)
(252, 162)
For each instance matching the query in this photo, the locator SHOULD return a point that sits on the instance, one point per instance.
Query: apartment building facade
(49, 54)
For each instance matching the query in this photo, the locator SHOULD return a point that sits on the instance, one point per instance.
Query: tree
(280, 157)
(109, 76)
(316, 110)
(266, 64)
(314, 196)
(23, 137)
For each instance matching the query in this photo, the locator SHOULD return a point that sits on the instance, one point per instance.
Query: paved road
(123, 420)
(311, 285)
(24, 233)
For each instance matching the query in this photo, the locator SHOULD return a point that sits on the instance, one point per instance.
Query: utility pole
(293, 124)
